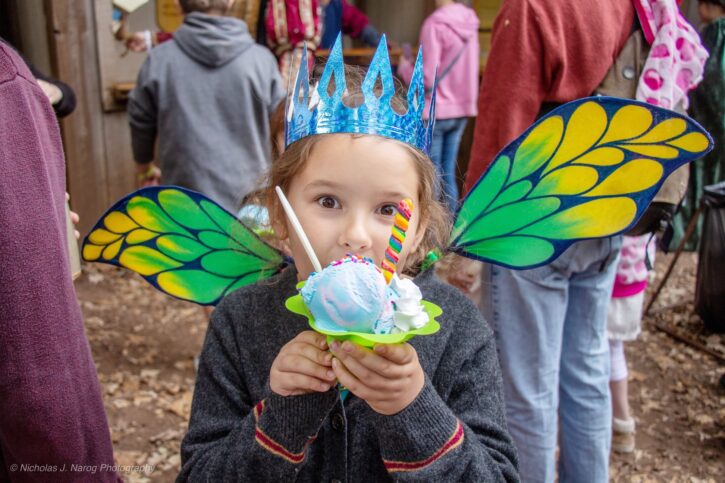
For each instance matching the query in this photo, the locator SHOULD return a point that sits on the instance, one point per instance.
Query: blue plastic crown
(325, 114)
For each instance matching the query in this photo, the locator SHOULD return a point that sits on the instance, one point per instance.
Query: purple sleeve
(51, 411)
(353, 20)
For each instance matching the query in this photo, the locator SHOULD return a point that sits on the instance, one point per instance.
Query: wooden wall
(30, 35)
(97, 144)
(487, 11)
(400, 19)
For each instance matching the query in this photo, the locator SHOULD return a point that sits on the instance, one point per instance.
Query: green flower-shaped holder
(296, 305)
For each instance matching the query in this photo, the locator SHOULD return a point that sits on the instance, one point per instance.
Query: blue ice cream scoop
(349, 295)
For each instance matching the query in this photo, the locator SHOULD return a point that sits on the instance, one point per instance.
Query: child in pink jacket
(449, 39)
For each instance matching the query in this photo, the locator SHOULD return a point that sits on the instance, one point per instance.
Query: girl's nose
(355, 237)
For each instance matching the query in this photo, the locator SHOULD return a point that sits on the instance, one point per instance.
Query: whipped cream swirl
(409, 313)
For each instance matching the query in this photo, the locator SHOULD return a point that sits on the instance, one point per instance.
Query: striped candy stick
(397, 238)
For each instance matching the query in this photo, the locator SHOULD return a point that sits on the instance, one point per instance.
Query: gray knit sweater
(240, 431)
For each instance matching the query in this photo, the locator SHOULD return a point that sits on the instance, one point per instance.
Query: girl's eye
(328, 202)
(388, 210)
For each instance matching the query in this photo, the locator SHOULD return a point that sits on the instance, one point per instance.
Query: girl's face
(346, 197)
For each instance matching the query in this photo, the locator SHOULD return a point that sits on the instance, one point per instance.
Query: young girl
(267, 405)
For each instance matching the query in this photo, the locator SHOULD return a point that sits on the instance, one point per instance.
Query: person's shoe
(623, 435)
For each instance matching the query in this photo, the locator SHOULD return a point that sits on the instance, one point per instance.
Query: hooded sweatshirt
(448, 31)
(208, 94)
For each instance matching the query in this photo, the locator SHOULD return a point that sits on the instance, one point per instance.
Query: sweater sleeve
(514, 85)
(459, 435)
(51, 409)
(354, 20)
(142, 114)
(233, 438)
(369, 36)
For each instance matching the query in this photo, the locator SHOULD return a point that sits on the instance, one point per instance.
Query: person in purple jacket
(449, 39)
(52, 423)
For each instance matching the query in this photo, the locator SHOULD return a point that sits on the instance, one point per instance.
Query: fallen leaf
(121, 403)
(181, 406)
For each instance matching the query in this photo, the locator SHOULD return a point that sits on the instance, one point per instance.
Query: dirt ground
(144, 344)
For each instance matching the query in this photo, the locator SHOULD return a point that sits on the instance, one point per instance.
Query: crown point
(334, 69)
(323, 113)
(379, 68)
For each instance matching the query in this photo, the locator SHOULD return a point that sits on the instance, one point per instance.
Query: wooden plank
(487, 11)
(32, 39)
(401, 19)
(115, 63)
(118, 69)
(9, 23)
(74, 60)
(120, 165)
(247, 10)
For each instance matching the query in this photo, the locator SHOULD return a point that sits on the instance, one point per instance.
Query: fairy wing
(182, 243)
(586, 170)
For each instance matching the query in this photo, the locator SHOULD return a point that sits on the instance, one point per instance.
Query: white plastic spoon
(298, 229)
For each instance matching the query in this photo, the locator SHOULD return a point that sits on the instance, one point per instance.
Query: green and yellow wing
(182, 243)
(586, 170)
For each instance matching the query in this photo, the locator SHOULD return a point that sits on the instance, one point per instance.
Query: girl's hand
(51, 91)
(74, 218)
(302, 366)
(388, 378)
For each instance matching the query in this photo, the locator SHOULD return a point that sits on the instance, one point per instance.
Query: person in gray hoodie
(207, 95)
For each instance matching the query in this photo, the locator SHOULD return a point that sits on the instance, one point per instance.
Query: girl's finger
(370, 378)
(313, 338)
(313, 353)
(396, 353)
(296, 383)
(295, 363)
(365, 364)
(353, 384)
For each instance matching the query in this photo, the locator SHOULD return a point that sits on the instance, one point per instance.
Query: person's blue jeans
(444, 153)
(550, 325)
